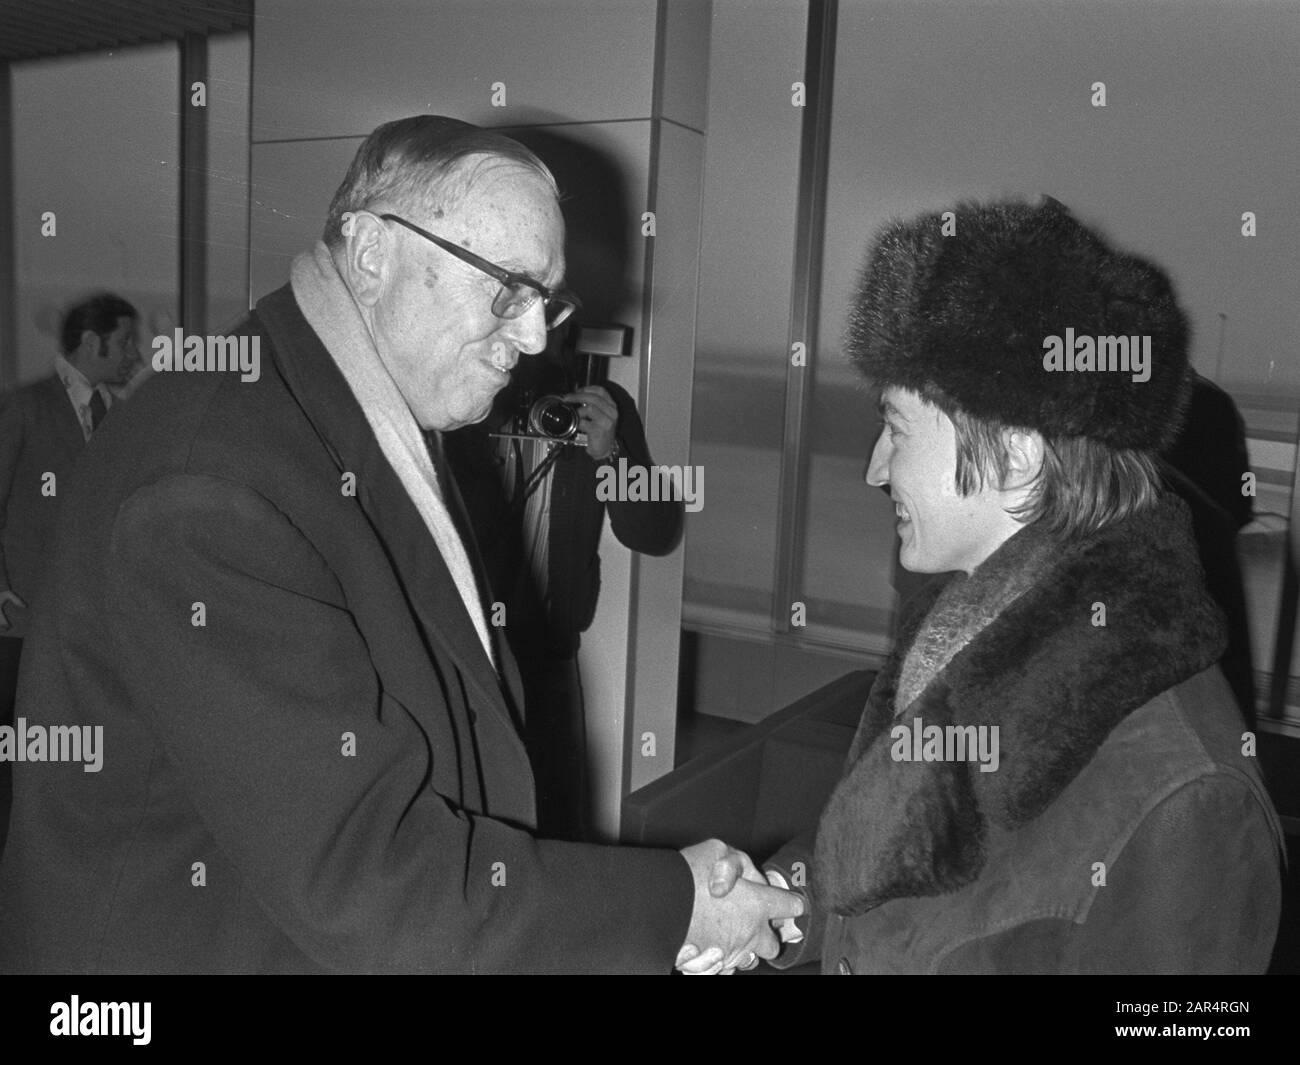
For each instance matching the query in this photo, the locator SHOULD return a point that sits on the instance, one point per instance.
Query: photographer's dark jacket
(1126, 828)
(577, 514)
(651, 527)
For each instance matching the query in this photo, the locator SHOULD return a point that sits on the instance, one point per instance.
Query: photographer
(537, 518)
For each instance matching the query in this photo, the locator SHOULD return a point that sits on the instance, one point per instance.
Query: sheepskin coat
(1125, 827)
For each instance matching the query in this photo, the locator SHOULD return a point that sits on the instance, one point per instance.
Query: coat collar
(328, 404)
(1051, 671)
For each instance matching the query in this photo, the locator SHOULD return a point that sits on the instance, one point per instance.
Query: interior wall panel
(331, 68)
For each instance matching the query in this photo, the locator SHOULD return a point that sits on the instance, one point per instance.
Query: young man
(43, 428)
(1050, 774)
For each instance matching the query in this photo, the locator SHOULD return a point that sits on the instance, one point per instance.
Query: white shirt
(79, 391)
(537, 512)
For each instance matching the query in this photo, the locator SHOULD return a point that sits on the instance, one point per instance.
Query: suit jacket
(1126, 827)
(309, 762)
(39, 434)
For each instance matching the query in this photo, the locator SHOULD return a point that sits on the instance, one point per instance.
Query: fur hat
(1011, 317)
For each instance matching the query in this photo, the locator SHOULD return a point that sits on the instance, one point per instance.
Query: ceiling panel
(61, 27)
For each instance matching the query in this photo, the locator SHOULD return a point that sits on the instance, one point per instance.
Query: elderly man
(1050, 774)
(263, 594)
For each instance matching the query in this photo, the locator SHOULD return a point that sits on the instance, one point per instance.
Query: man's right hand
(731, 922)
(5, 599)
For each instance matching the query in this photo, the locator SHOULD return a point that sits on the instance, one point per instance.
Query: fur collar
(1053, 682)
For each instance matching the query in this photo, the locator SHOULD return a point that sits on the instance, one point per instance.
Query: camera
(540, 413)
(542, 417)
(552, 418)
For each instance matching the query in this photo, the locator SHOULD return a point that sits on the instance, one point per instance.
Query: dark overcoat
(309, 763)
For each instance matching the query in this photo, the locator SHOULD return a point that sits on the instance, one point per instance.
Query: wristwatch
(615, 453)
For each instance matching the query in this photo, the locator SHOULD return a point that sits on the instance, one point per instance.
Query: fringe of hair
(1082, 487)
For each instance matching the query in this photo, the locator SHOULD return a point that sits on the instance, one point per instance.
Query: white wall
(96, 142)
(338, 68)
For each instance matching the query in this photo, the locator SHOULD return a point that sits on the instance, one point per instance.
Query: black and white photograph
(651, 487)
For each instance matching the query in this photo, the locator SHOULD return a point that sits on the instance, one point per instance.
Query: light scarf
(330, 310)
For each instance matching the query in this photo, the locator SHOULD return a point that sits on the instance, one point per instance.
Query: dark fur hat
(973, 315)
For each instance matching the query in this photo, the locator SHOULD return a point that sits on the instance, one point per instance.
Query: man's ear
(91, 343)
(1025, 449)
(368, 248)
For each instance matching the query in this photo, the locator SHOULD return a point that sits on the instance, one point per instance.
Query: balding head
(422, 167)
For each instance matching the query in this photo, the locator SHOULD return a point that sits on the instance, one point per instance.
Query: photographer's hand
(598, 418)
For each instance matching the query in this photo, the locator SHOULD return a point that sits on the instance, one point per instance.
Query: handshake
(735, 910)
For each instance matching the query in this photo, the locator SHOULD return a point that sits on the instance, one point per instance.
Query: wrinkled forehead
(510, 214)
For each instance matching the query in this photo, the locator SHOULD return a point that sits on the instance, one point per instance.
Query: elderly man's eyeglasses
(518, 291)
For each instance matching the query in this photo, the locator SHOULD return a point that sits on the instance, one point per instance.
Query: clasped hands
(735, 907)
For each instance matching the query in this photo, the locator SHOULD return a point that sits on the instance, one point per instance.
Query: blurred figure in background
(43, 428)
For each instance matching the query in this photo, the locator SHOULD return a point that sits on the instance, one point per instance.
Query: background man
(43, 428)
(1123, 826)
(262, 590)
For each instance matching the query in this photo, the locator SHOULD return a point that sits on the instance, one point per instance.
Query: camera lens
(552, 417)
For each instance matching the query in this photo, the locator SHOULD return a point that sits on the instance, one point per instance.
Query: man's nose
(878, 466)
(528, 331)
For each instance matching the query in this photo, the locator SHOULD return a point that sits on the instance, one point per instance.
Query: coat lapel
(65, 419)
(460, 516)
(320, 389)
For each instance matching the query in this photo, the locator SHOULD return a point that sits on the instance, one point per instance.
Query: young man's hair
(1083, 484)
(99, 314)
(413, 165)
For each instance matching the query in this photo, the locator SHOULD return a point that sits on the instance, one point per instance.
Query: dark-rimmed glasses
(518, 291)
